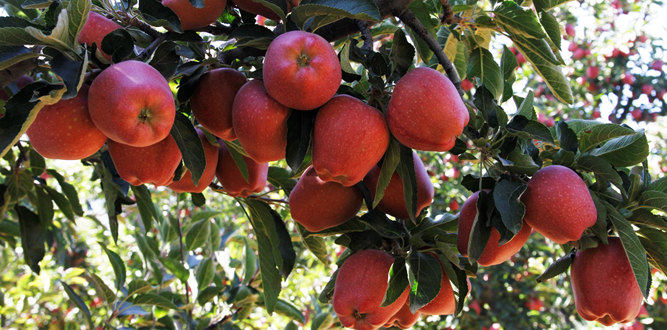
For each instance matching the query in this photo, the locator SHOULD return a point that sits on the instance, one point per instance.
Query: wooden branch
(448, 14)
(365, 34)
(8, 75)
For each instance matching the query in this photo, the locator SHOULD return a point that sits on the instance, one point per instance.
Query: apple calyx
(144, 115)
(303, 60)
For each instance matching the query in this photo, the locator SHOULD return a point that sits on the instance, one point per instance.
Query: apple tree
(224, 157)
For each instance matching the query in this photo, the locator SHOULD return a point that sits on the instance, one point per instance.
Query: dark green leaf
(398, 281)
(406, 170)
(150, 299)
(402, 54)
(560, 266)
(44, 206)
(551, 26)
(145, 205)
(79, 303)
(118, 44)
(102, 289)
(624, 151)
(322, 321)
(425, 277)
(287, 309)
(176, 268)
(481, 230)
(156, 14)
(526, 109)
(32, 237)
(10, 55)
(207, 294)
(238, 158)
(299, 129)
(117, 265)
(69, 191)
(198, 234)
(544, 5)
(190, 145)
(316, 245)
(328, 11)
(567, 139)
(601, 168)
(389, 165)
(506, 196)
(280, 177)
(655, 243)
(592, 137)
(138, 286)
(518, 20)
(205, 273)
(654, 199)
(481, 64)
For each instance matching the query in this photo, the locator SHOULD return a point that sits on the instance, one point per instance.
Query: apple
(593, 72)
(212, 101)
(520, 59)
(558, 204)
(404, 318)
(595, 114)
(260, 123)
(393, 200)
(155, 164)
(445, 302)
(647, 89)
(301, 70)
(232, 180)
(132, 103)
(569, 30)
(572, 47)
(534, 304)
(453, 206)
(195, 18)
(349, 138)
(256, 8)
(474, 305)
(657, 65)
(578, 53)
(21, 82)
(493, 253)
(425, 111)
(637, 114)
(311, 196)
(360, 287)
(628, 79)
(64, 130)
(604, 285)
(185, 184)
(95, 29)
(467, 85)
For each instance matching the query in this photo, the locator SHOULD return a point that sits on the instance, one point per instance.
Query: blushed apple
(404, 318)
(232, 180)
(155, 164)
(95, 29)
(195, 18)
(212, 101)
(185, 184)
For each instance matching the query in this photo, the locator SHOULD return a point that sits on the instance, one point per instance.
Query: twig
(448, 14)
(146, 53)
(365, 33)
(17, 70)
(134, 21)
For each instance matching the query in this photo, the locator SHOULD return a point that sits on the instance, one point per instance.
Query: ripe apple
(155, 164)
(393, 201)
(593, 72)
(572, 46)
(360, 287)
(185, 184)
(21, 82)
(628, 79)
(535, 304)
(595, 114)
(311, 196)
(425, 111)
(95, 29)
(445, 302)
(403, 319)
(256, 8)
(520, 59)
(657, 65)
(301, 70)
(493, 254)
(131, 103)
(604, 286)
(453, 206)
(212, 101)
(647, 89)
(467, 85)
(578, 53)
(349, 138)
(558, 204)
(260, 123)
(637, 114)
(65, 131)
(569, 30)
(196, 18)
(232, 180)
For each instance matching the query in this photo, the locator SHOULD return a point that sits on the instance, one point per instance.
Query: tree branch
(217, 29)
(8, 75)
(365, 34)
(448, 14)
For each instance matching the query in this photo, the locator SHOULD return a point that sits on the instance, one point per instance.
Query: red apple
(453, 206)
(657, 65)
(534, 304)
(349, 138)
(425, 111)
(155, 164)
(212, 101)
(572, 46)
(311, 196)
(569, 30)
(520, 59)
(637, 114)
(393, 200)
(578, 53)
(260, 123)
(65, 131)
(558, 204)
(360, 287)
(185, 184)
(593, 72)
(493, 253)
(467, 85)
(301, 70)
(595, 114)
(604, 286)
(628, 79)
(196, 18)
(232, 180)
(647, 89)
(256, 8)
(131, 103)
(95, 29)
(403, 319)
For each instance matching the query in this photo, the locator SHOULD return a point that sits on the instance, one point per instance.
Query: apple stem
(303, 60)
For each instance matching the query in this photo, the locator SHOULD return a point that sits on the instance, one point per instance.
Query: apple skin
(155, 164)
(95, 29)
(196, 18)
(301, 70)
(425, 111)
(65, 131)
(493, 254)
(349, 138)
(393, 200)
(230, 176)
(131, 103)
(212, 101)
(260, 123)
(604, 286)
(256, 8)
(558, 204)
(185, 184)
(403, 319)
(319, 205)
(360, 287)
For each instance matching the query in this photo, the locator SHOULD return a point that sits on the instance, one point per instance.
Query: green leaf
(654, 199)
(207, 294)
(389, 165)
(138, 286)
(624, 151)
(77, 11)
(325, 12)
(481, 229)
(567, 139)
(69, 191)
(406, 170)
(165, 59)
(601, 168)
(322, 321)
(117, 265)
(150, 299)
(156, 14)
(145, 205)
(591, 138)
(551, 26)
(79, 303)
(486, 104)
(190, 145)
(659, 185)
(600, 227)
(10, 55)
(506, 196)
(205, 273)
(198, 234)
(176, 268)
(102, 289)
(299, 130)
(277, 6)
(646, 217)
(521, 162)
(13, 32)
(544, 5)
(287, 309)
(655, 243)
(205, 215)
(545, 63)
(32, 237)
(280, 177)
(481, 64)
(44, 206)
(352, 225)
(316, 245)
(633, 247)
(425, 277)
(461, 60)
(560, 266)
(249, 262)
(62, 202)
(526, 108)
(529, 129)
(120, 45)
(402, 54)
(238, 158)
(518, 20)
(398, 281)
